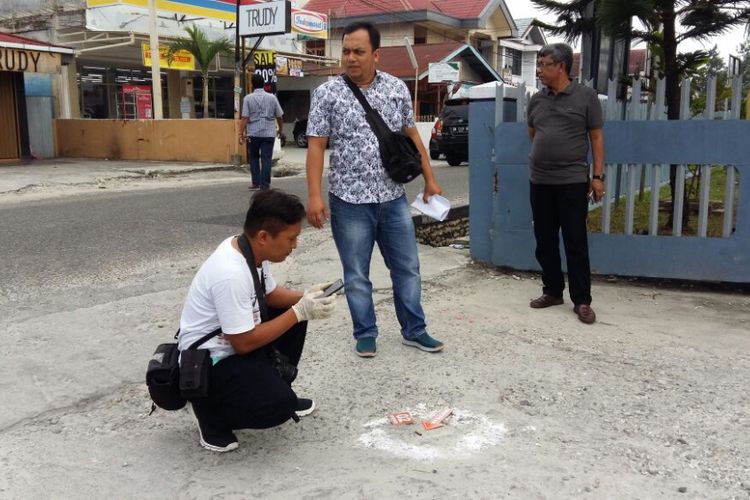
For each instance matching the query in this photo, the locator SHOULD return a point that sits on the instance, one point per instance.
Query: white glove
(313, 305)
(316, 288)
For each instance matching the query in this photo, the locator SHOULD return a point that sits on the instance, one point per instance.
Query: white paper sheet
(437, 208)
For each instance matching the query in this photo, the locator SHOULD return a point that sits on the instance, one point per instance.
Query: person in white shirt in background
(261, 123)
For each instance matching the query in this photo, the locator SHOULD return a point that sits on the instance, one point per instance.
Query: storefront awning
(8, 40)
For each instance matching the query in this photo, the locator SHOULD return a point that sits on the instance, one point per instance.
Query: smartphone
(333, 288)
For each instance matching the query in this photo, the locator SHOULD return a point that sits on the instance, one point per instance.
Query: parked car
(300, 132)
(450, 135)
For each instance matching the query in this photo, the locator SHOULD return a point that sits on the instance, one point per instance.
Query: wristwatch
(598, 177)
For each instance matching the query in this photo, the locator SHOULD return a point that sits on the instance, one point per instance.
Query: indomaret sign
(268, 18)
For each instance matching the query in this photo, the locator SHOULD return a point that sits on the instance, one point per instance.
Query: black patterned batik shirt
(356, 172)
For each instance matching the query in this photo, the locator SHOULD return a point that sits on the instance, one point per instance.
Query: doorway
(10, 138)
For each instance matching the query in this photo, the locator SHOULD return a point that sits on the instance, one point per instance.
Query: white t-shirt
(222, 294)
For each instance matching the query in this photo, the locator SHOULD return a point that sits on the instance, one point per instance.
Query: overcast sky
(728, 44)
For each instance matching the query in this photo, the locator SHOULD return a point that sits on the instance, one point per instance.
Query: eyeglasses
(545, 64)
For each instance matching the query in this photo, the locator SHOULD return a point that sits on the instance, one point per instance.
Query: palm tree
(204, 51)
(700, 20)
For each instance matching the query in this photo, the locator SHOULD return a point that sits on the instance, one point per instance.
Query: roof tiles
(395, 60)
(461, 9)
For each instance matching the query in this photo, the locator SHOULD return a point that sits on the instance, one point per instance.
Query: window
(513, 59)
(420, 35)
(315, 47)
(101, 90)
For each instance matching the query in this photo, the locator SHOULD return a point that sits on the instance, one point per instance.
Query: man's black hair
(258, 82)
(369, 27)
(273, 211)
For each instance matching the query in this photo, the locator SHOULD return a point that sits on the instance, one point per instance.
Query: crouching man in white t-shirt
(246, 389)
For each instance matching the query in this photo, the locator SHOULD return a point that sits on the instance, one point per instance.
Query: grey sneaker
(424, 342)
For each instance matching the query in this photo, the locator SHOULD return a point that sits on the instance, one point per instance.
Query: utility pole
(155, 55)
(237, 93)
(413, 59)
(238, 55)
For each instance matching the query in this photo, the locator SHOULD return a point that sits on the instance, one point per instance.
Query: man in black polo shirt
(562, 118)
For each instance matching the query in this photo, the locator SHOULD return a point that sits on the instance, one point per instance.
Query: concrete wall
(207, 140)
(390, 35)
(425, 132)
(436, 34)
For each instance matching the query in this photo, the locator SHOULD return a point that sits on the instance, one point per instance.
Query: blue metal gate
(501, 224)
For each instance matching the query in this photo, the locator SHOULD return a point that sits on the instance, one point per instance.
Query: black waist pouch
(163, 378)
(194, 368)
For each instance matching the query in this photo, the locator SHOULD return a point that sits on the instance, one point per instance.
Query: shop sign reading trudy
(266, 18)
(29, 61)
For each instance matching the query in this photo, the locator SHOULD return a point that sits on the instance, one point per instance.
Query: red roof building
(465, 31)
(461, 9)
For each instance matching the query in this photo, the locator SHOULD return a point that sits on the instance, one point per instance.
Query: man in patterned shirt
(259, 110)
(367, 206)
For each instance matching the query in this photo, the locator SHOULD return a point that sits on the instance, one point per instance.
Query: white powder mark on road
(465, 435)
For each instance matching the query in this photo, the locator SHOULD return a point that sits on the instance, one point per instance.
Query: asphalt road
(62, 243)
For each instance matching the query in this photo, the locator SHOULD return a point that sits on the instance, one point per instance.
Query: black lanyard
(259, 282)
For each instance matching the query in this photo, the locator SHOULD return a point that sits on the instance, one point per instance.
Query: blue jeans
(260, 151)
(356, 228)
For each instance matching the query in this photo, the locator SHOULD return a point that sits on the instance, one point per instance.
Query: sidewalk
(64, 173)
(61, 173)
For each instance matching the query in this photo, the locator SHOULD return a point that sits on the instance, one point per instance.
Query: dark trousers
(254, 172)
(260, 153)
(557, 207)
(246, 392)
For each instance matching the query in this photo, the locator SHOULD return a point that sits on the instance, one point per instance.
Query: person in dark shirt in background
(563, 118)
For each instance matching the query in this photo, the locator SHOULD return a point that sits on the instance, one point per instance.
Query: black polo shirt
(559, 151)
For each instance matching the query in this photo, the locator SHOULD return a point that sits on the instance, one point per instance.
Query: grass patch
(643, 203)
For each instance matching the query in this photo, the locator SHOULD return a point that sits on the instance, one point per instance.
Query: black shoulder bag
(286, 370)
(401, 158)
(163, 374)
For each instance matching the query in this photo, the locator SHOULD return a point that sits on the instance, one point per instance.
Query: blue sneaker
(366, 347)
(424, 342)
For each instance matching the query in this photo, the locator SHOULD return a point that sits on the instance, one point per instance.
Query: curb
(156, 172)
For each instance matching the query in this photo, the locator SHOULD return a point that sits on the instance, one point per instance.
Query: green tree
(663, 24)
(659, 24)
(204, 51)
(712, 66)
(745, 57)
